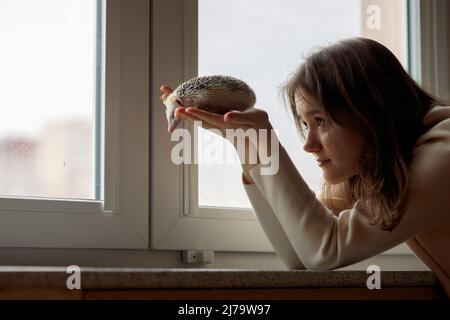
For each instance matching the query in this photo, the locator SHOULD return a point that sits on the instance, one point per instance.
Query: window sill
(189, 283)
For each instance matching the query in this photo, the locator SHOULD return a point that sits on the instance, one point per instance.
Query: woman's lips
(323, 162)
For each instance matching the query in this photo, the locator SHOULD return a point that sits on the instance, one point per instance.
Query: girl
(383, 144)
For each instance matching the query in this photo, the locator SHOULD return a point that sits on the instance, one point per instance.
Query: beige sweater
(306, 235)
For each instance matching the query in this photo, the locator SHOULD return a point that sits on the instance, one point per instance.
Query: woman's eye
(304, 125)
(320, 122)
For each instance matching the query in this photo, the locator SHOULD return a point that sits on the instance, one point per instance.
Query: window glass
(48, 99)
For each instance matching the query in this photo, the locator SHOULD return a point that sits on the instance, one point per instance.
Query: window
(114, 213)
(74, 173)
(47, 137)
(260, 42)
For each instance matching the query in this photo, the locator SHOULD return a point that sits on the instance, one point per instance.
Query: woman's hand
(252, 118)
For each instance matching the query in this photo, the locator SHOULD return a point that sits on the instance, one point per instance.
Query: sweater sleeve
(307, 234)
(272, 227)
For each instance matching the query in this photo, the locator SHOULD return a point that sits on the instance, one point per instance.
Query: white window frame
(121, 221)
(176, 224)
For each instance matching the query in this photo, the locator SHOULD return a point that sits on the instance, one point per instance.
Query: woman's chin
(333, 180)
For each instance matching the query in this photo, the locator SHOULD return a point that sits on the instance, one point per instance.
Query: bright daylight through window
(50, 97)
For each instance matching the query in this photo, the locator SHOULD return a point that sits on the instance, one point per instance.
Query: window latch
(198, 256)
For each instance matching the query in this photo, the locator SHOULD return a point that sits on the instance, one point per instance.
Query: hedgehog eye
(179, 102)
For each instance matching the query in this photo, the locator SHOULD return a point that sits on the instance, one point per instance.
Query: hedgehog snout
(173, 123)
(171, 104)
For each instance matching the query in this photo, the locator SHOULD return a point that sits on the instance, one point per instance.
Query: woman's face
(336, 149)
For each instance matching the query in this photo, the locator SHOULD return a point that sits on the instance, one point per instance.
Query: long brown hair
(362, 86)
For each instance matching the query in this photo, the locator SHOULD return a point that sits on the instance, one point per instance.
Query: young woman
(383, 144)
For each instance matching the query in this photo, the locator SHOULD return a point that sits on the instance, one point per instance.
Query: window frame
(176, 224)
(121, 220)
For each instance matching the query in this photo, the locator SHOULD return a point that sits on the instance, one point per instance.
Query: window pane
(262, 42)
(48, 98)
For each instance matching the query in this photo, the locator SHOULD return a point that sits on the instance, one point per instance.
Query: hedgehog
(218, 94)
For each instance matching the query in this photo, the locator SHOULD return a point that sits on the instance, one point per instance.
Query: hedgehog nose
(173, 123)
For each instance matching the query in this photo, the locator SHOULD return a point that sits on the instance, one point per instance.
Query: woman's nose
(312, 144)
